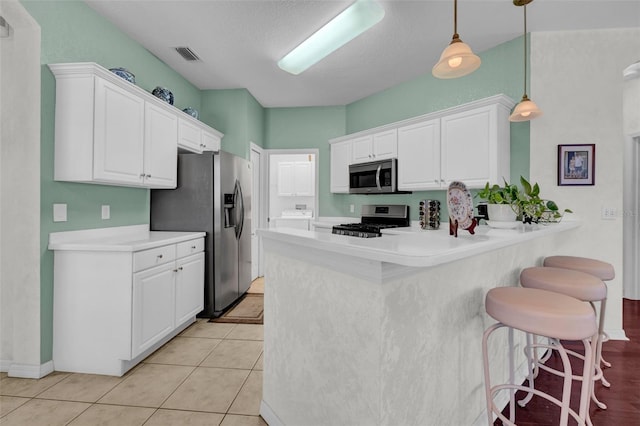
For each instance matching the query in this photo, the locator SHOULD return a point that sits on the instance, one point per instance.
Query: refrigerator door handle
(240, 223)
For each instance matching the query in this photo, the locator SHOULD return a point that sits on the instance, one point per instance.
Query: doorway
(293, 188)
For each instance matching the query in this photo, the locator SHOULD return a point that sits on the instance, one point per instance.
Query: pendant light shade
(527, 109)
(457, 59)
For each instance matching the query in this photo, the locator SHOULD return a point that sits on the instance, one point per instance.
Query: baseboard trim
(268, 415)
(617, 334)
(27, 371)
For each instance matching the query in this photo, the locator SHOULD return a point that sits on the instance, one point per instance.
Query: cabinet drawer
(189, 247)
(153, 257)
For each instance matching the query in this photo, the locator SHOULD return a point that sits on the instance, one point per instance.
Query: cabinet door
(189, 287)
(210, 142)
(362, 149)
(468, 146)
(153, 306)
(160, 147)
(285, 179)
(304, 179)
(385, 145)
(419, 156)
(340, 157)
(189, 136)
(118, 135)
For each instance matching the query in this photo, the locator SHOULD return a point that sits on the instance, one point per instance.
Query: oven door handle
(378, 177)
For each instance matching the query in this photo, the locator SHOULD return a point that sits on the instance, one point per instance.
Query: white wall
(20, 194)
(576, 79)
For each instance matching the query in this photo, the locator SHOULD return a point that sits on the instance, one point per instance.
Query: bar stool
(600, 269)
(552, 315)
(579, 285)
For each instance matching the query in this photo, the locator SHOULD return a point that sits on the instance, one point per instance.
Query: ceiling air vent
(187, 54)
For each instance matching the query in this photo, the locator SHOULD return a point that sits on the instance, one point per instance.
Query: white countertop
(415, 247)
(122, 238)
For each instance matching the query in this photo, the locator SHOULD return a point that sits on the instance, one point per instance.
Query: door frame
(293, 151)
(260, 200)
(631, 218)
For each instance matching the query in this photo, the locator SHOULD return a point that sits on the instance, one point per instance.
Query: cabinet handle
(436, 181)
(148, 176)
(193, 247)
(159, 256)
(142, 175)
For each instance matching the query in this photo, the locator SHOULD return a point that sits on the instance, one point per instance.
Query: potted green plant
(502, 201)
(534, 209)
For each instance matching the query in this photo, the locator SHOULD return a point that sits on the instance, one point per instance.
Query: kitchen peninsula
(387, 331)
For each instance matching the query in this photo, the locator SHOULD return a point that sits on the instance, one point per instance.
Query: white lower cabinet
(112, 308)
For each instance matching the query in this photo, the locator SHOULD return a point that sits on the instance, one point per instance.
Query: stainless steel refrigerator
(213, 195)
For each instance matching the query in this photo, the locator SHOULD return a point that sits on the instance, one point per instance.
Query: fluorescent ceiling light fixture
(353, 21)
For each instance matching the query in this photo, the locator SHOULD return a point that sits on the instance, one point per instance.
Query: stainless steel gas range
(375, 217)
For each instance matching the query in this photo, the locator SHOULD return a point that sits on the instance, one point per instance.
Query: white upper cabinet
(160, 160)
(419, 156)
(468, 143)
(296, 179)
(109, 131)
(379, 146)
(471, 147)
(118, 136)
(340, 159)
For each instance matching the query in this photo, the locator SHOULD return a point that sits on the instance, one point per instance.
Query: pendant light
(457, 59)
(527, 109)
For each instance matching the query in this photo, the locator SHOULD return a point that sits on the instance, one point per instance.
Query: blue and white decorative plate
(191, 111)
(124, 73)
(164, 94)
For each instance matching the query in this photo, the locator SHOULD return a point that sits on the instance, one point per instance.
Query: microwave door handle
(378, 177)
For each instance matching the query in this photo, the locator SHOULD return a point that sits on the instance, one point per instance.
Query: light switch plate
(59, 212)
(106, 212)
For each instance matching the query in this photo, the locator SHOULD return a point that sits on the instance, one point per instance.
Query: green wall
(73, 32)
(237, 114)
(309, 127)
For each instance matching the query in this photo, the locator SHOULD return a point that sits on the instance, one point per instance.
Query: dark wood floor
(622, 399)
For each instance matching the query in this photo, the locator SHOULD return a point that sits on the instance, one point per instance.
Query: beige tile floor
(211, 374)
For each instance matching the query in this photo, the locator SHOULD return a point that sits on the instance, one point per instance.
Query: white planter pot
(501, 213)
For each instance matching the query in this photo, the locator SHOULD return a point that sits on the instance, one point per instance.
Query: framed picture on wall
(576, 164)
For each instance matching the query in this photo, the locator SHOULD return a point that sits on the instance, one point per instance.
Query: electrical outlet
(352, 208)
(609, 213)
(106, 212)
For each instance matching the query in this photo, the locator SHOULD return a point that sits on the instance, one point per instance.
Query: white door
(160, 147)
(419, 156)
(189, 287)
(119, 134)
(256, 213)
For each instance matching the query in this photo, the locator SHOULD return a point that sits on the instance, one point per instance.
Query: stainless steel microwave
(378, 177)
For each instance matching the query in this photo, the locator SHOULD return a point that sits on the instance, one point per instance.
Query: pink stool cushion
(600, 269)
(541, 312)
(576, 284)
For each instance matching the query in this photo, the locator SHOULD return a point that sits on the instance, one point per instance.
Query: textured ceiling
(240, 41)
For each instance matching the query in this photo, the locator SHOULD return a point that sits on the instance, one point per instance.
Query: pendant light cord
(525, 50)
(455, 18)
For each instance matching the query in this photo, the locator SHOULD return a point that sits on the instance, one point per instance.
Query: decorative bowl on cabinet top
(164, 94)
(192, 112)
(124, 73)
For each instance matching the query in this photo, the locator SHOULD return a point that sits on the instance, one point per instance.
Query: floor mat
(249, 310)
